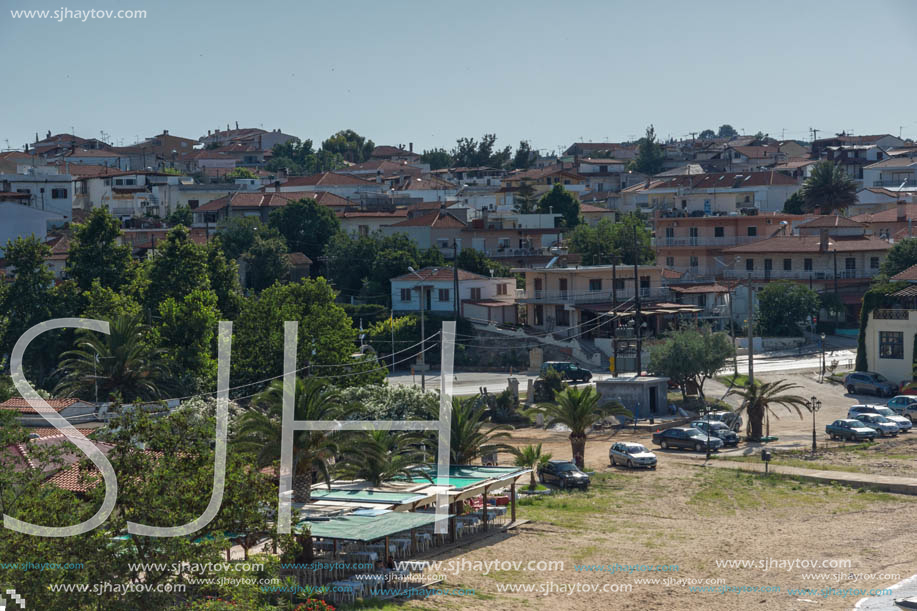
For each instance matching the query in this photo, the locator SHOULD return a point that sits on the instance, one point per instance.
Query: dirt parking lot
(689, 516)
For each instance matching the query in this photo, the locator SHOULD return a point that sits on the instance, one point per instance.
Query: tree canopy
(306, 226)
(901, 256)
(95, 252)
(602, 242)
(650, 154)
(298, 157)
(560, 201)
(469, 152)
(727, 131)
(350, 145)
(828, 188)
(691, 355)
(782, 306)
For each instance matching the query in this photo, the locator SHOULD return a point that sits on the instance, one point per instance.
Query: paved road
(468, 382)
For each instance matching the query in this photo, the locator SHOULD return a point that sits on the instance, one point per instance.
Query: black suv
(563, 474)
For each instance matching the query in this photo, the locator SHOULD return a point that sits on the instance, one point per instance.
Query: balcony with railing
(583, 297)
(891, 314)
(813, 274)
(704, 241)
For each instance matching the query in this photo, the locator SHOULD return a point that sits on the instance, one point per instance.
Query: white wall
(17, 220)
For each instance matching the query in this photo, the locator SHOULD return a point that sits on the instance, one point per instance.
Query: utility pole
(637, 303)
(835, 274)
(614, 309)
(455, 276)
(423, 337)
(751, 334)
(732, 328)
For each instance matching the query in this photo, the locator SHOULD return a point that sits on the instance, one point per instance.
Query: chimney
(237, 125)
(410, 147)
(165, 132)
(276, 186)
(902, 211)
(208, 132)
(823, 242)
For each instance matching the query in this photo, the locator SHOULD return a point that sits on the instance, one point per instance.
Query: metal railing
(890, 314)
(675, 242)
(592, 296)
(815, 274)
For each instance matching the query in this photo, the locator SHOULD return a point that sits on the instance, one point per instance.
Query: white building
(480, 297)
(17, 220)
(47, 189)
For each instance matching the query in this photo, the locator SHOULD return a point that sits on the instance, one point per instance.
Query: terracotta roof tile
(326, 178)
(829, 220)
(435, 219)
(440, 273)
(908, 275)
(19, 404)
(806, 244)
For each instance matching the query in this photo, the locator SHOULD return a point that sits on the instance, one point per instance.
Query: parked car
(569, 371)
(730, 419)
(563, 474)
(866, 381)
(719, 430)
(904, 405)
(687, 438)
(850, 429)
(632, 455)
(884, 427)
(903, 423)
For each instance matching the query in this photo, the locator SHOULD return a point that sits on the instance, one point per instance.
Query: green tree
(473, 436)
(178, 268)
(266, 263)
(828, 188)
(691, 356)
(650, 155)
(437, 159)
(524, 156)
(727, 131)
(628, 239)
(182, 215)
(579, 409)
(381, 456)
(224, 280)
(188, 326)
(471, 153)
(760, 399)
(306, 226)
(240, 172)
(350, 146)
(298, 157)
(117, 366)
(327, 338)
(531, 457)
(95, 253)
(560, 201)
(237, 234)
(105, 303)
(901, 256)
(476, 262)
(707, 134)
(795, 204)
(390, 401)
(782, 305)
(524, 200)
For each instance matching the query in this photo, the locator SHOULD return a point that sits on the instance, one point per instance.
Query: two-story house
(433, 289)
(727, 192)
(891, 333)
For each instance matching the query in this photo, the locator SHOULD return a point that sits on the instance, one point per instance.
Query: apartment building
(722, 192)
(890, 333)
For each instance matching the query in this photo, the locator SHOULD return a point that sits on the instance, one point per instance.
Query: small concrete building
(647, 395)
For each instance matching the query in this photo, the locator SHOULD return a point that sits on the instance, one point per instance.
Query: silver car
(632, 455)
(903, 423)
(882, 425)
(904, 405)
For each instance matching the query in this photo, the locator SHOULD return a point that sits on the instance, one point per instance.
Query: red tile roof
(428, 182)
(725, 180)
(807, 244)
(391, 151)
(437, 219)
(700, 288)
(440, 273)
(908, 275)
(19, 404)
(593, 209)
(887, 216)
(829, 220)
(91, 153)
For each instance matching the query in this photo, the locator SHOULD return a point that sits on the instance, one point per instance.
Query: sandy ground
(689, 516)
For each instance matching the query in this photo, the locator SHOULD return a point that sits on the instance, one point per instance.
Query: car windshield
(880, 378)
(880, 418)
(566, 466)
(885, 411)
(692, 432)
(636, 449)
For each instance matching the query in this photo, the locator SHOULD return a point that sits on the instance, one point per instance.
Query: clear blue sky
(431, 71)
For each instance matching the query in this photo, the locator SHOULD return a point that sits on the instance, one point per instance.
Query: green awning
(464, 476)
(367, 528)
(367, 496)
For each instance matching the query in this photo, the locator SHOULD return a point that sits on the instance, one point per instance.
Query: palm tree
(578, 409)
(828, 188)
(469, 439)
(381, 456)
(530, 457)
(259, 431)
(524, 200)
(118, 365)
(760, 399)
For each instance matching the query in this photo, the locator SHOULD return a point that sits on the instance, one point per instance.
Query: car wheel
(851, 390)
(832, 436)
(613, 463)
(698, 447)
(562, 484)
(653, 467)
(664, 444)
(630, 464)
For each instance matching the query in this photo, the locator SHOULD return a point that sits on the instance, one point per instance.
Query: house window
(119, 182)
(891, 344)
(538, 285)
(670, 261)
(752, 231)
(702, 300)
(807, 264)
(669, 232)
(503, 243)
(440, 242)
(692, 231)
(26, 191)
(619, 284)
(718, 232)
(595, 284)
(787, 265)
(363, 230)
(561, 316)
(405, 294)
(193, 203)
(475, 294)
(768, 265)
(444, 294)
(502, 289)
(693, 261)
(58, 193)
(750, 264)
(873, 262)
(850, 263)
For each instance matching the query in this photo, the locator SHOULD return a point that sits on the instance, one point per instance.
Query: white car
(632, 455)
(904, 424)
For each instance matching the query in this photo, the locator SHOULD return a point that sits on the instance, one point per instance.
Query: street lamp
(823, 356)
(814, 405)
